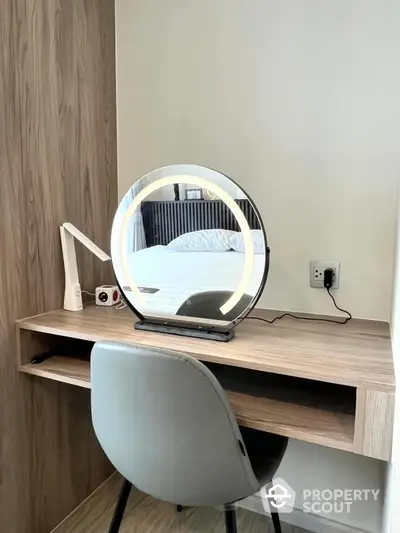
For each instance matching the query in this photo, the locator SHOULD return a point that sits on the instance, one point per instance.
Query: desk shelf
(266, 406)
(69, 370)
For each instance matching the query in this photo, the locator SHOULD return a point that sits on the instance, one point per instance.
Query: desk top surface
(357, 354)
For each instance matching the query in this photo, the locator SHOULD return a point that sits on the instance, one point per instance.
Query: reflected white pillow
(236, 242)
(205, 240)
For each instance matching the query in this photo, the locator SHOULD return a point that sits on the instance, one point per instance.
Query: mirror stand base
(186, 331)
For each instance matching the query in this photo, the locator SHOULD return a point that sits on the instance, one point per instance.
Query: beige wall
(298, 102)
(392, 504)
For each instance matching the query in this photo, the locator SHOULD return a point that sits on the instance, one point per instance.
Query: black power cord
(328, 282)
(349, 315)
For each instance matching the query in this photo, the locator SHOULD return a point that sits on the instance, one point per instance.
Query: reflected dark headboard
(165, 220)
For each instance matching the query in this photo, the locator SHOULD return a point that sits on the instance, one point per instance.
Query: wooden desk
(318, 382)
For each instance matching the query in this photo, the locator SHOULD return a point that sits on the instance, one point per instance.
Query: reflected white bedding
(178, 275)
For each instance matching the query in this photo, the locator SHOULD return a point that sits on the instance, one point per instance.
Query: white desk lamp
(72, 294)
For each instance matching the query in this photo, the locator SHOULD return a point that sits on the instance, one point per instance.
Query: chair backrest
(164, 421)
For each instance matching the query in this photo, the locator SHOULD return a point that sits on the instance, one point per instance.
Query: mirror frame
(172, 322)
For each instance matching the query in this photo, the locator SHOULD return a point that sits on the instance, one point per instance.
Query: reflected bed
(159, 267)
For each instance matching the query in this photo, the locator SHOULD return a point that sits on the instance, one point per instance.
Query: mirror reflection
(181, 253)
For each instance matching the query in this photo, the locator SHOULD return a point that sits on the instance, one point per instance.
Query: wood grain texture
(357, 354)
(310, 424)
(63, 369)
(374, 424)
(57, 164)
(343, 357)
(276, 409)
(66, 462)
(146, 515)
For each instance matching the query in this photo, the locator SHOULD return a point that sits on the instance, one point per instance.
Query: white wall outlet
(317, 269)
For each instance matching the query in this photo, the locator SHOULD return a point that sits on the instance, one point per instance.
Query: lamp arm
(72, 292)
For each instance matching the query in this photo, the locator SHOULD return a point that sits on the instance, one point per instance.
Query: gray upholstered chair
(165, 423)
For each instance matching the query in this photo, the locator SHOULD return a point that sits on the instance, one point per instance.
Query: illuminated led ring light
(229, 202)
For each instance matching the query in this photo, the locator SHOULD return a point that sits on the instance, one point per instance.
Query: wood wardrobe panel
(57, 164)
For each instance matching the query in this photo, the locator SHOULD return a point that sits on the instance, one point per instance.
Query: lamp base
(72, 297)
(202, 332)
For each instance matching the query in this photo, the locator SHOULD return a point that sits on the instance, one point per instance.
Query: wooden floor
(146, 515)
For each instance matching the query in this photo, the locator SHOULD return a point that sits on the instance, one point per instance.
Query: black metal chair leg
(230, 519)
(179, 508)
(274, 513)
(276, 521)
(120, 507)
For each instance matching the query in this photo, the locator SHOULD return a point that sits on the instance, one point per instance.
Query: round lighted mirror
(189, 251)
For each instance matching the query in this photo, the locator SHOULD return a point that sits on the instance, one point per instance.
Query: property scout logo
(281, 497)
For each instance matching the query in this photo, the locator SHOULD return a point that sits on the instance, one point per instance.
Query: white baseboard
(308, 521)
